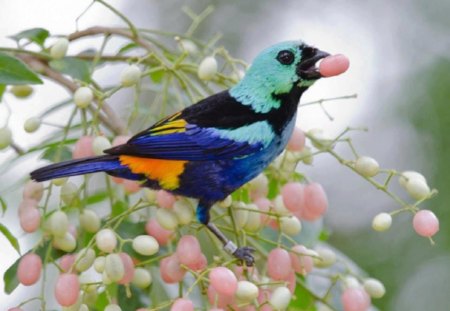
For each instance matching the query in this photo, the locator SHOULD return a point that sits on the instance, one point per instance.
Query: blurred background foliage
(402, 77)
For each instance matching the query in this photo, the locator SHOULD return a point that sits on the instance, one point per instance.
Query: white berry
(84, 259)
(106, 240)
(32, 124)
(246, 291)
(114, 267)
(410, 175)
(5, 137)
(100, 144)
(280, 298)
(145, 245)
(417, 189)
(69, 192)
(99, 264)
(113, 307)
(130, 76)
(207, 68)
(141, 278)
(367, 166)
(374, 288)
(83, 97)
(166, 218)
(89, 221)
(59, 49)
(326, 258)
(382, 222)
(59, 223)
(290, 225)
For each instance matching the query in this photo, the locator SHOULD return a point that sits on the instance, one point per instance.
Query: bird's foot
(245, 254)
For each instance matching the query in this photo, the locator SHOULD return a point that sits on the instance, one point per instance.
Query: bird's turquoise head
(276, 71)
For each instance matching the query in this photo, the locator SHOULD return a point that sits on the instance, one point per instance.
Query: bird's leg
(243, 253)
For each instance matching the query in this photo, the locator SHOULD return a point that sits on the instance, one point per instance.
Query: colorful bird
(213, 147)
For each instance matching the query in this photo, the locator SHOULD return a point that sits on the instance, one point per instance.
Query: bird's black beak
(307, 69)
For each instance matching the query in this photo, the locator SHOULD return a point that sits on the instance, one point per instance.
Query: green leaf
(302, 300)
(130, 230)
(57, 153)
(127, 47)
(76, 68)
(36, 35)
(157, 76)
(12, 240)
(2, 91)
(118, 208)
(97, 197)
(3, 205)
(10, 278)
(13, 71)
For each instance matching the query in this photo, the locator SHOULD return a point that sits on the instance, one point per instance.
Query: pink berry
(29, 270)
(27, 203)
(170, 270)
(291, 281)
(426, 223)
(131, 186)
(297, 140)
(129, 268)
(316, 202)
(355, 299)
(302, 264)
(165, 199)
(182, 304)
(188, 250)
(30, 219)
(153, 228)
(66, 262)
(223, 280)
(67, 289)
(219, 300)
(120, 140)
(293, 196)
(83, 147)
(334, 65)
(278, 264)
(33, 190)
(264, 205)
(200, 264)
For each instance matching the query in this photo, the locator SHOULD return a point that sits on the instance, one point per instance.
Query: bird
(210, 149)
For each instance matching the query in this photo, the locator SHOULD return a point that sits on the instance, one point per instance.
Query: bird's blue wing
(175, 139)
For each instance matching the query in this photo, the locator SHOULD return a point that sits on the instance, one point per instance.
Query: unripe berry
(246, 291)
(142, 278)
(259, 187)
(99, 264)
(130, 76)
(183, 211)
(166, 218)
(417, 189)
(100, 144)
(306, 156)
(374, 288)
(149, 195)
(207, 68)
(59, 181)
(67, 289)
(58, 223)
(226, 203)
(367, 166)
(351, 282)
(113, 307)
(279, 206)
(83, 97)
(29, 269)
(32, 124)
(106, 240)
(114, 267)
(68, 192)
(326, 258)
(5, 137)
(21, 91)
(290, 225)
(320, 140)
(406, 176)
(189, 46)
(84, 259)
(280, 298)
(382, 222)
(426, 223)
(59, 49)
(65, 243)
(145, 245)
(89, 221)
(253, 222)
(33, 190)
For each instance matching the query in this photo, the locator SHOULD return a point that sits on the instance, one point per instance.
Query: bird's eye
(286, 57)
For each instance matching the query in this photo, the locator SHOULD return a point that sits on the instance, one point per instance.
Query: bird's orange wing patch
(166, 172)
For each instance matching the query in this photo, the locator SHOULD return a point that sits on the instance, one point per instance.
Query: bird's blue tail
(106, 163)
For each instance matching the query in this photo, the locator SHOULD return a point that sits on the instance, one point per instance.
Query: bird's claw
(245, 254)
